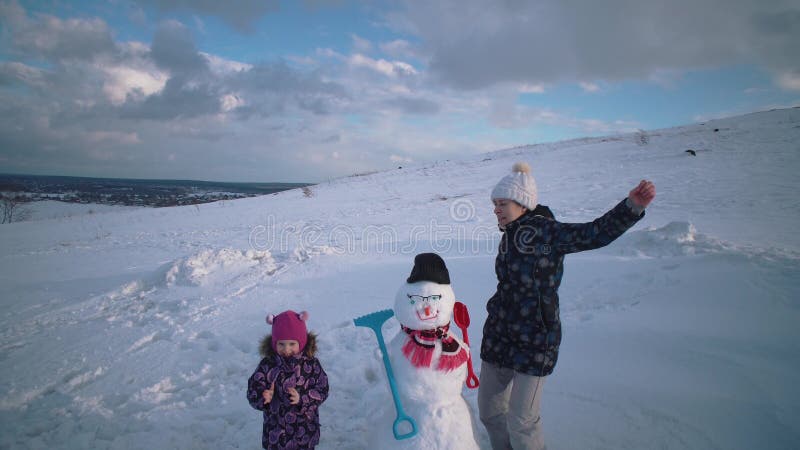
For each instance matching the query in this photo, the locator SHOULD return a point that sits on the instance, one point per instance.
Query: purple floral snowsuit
(288, 426)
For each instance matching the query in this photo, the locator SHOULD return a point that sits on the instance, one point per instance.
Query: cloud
(115, 137)
(132, 75)
(789, 81)
(239, 14)
(505, 112)
(178, 99)
(552, 41)
(388, 68)
(415, 106)
(53, 38)
(754, 90)
(168, 109)
(221, 66)
(18, 73)
(121, 108)
(231, 101)
(123, 82)
(526, 88)
(589, 87)
(398, 48)
(173, 49)
(271, 88)
(360, 44)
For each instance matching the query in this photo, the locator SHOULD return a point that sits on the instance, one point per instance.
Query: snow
(53, 209)
(139, 328)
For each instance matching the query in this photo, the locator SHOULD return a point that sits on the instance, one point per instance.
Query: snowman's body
(429, 372)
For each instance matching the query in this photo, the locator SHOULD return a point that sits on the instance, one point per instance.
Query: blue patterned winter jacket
(523, 329)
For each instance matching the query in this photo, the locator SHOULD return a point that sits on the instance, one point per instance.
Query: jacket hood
(265, 346)
(528, 216)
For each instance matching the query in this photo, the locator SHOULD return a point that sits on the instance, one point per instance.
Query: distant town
(130, 192)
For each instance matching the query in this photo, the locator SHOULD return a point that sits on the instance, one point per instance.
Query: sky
(279, 91)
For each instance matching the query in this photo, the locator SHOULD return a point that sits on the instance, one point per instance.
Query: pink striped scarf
(420, 344)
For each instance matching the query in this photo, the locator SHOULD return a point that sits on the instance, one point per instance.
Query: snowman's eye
(420, 298)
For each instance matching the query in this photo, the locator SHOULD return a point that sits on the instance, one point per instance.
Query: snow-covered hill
(138, 329)
(53, 209)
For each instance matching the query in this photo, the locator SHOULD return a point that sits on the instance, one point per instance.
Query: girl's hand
(268, 394)
(294, 396)
(643, 194)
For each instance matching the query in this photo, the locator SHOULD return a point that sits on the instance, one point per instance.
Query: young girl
(289, 384)
(522, 332)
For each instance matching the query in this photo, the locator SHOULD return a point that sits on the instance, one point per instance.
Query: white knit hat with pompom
(518, 186)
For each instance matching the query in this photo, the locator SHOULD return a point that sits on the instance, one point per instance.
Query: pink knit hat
(289, 325)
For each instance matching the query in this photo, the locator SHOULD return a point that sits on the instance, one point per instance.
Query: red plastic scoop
(461, 317)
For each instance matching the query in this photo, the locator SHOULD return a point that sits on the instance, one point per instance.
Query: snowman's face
(424, 305)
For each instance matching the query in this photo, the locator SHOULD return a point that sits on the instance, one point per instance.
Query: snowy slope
(52, 209)
(138, 329)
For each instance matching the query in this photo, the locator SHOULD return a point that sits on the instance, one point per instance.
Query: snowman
(429, 363)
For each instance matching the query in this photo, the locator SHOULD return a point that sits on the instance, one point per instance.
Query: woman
(522, 333)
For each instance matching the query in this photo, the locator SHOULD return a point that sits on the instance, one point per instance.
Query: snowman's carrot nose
(427, 310)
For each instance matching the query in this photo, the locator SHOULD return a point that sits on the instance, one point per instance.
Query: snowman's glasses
(421, 298)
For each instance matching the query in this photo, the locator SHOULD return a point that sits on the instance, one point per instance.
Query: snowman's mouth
(427, 314)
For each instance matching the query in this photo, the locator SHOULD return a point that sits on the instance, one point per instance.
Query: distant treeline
(117, 191)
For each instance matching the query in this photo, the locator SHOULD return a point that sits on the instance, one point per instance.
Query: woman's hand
(643, 194)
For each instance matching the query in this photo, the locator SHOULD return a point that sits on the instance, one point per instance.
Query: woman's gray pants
(509, 406)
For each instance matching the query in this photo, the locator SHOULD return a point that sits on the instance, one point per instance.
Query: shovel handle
(374, 321)
(396, 426)
(401, 415)
(472, 379)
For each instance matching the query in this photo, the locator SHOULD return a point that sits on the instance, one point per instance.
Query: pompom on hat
(289, 326)
(518, 186)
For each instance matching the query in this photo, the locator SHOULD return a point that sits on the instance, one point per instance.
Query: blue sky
(254, 90)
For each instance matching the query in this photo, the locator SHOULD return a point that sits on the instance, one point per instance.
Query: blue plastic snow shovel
(375, 322)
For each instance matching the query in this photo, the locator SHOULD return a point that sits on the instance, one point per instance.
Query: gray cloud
(177, 100)
(271, 88)
(18, 73)
(28, 142)
(63, 118)
(191, 91)
(166, 109)
(53, 38)
(412, 105)
(173, 49)
(279, 77)
(240, 14)
(779, 38)
(576, 40)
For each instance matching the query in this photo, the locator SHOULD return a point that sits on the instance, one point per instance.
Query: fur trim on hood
(265, 347)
